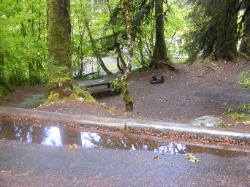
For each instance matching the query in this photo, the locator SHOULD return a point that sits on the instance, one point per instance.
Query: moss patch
(53, 84)
(126, 95)
(53, 98)
(242, 113)
(244, 79)
(77, 94)
(240, 116)
(84, 94)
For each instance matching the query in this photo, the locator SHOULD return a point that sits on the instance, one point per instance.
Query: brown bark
(59, 46)
(127, 97)
(245, 42)
(59, 33)
(160, 49)
(226, 43)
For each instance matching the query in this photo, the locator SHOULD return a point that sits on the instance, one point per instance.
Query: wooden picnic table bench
(100, 87)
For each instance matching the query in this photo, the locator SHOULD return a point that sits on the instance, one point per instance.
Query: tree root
(166, 63)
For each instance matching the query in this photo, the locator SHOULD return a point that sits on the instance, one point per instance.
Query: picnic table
(101, 87)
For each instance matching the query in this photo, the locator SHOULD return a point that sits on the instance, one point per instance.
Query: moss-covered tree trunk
(215, 33)
(1, 67)
(3, 83)
(226, 43)
(126, 95)
(59, 44)
(245, 42)
(160, 49)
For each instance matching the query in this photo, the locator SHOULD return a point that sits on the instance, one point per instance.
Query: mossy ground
(77, 94)
(34, 102)
(244, 79)
(242, 113)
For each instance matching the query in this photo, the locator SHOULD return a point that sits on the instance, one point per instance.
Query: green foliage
(241, 113)
(245, 108)
(117, 83)
(77, 94)
(84, 94)
(53, 83)
(23, 36)
(53, 97)
(213, 31)
(244, 79)
(23, 40)
(176, 28)
(240, 116)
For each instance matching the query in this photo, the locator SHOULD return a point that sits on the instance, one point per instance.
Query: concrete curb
(133, 125)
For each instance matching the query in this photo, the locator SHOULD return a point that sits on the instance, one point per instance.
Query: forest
(55, 42)
(116, 93)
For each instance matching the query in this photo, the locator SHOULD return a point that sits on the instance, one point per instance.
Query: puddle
(53, 135)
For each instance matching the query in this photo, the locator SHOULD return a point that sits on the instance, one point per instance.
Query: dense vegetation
(46, 41)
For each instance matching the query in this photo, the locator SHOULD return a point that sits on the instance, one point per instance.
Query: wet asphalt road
(37, 165)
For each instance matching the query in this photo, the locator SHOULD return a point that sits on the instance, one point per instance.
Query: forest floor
(208, 88)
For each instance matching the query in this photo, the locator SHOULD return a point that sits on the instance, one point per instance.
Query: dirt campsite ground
(208, 88)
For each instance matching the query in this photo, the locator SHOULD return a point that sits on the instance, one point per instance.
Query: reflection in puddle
(172, 148)
(54, 136)
(89, 140)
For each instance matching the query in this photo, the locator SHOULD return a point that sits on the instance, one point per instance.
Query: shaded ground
(23, 97)
(196, 90)
(37, 165)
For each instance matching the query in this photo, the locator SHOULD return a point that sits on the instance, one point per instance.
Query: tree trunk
(226, 44)
(59, 33)
(59, 44)
(126, 95)
(160, 49)
(245, 42)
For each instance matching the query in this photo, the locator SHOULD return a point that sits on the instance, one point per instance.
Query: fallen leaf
(156, 157)
(7, 173)
(191, 158)
(73, 146)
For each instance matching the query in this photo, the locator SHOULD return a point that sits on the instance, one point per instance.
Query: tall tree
(215, 29)
(59, 41)
(226, 42)
(59, 34)
(245, 42)
(127, 97)
(160, 49)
